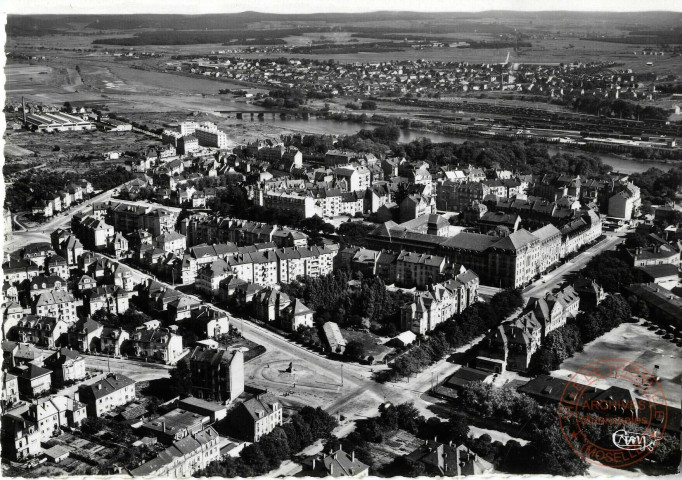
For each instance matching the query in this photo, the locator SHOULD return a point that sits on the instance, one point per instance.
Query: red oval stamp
(613, 412)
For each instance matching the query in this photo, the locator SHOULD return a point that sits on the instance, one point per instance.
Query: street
(549, 281)
(41, 233)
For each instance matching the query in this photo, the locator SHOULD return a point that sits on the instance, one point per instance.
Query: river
(321, 125)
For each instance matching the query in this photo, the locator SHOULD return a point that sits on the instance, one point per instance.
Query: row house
(302, 205)
(172, 242)
(37, 253)
(439, 303)
(418, 269)
(256, 417)
(185, 457)
(56, 265)
(452, 195)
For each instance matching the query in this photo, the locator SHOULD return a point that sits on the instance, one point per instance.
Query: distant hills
(28, 23)
(165, 29)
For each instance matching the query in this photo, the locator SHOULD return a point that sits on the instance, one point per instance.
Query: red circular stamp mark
(613, 426)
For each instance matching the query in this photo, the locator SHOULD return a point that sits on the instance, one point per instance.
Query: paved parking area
(638, 344)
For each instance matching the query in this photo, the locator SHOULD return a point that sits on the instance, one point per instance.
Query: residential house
(41, 331)
(256, 417)
(112, 339)
(57, 303)
(84, 335)
(217, 373)
(296, 315)
(334, 464)
(67, 366)
(159, 344)
(106, 394)
(33, 380)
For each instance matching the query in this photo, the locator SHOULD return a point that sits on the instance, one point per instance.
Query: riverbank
(274, 125)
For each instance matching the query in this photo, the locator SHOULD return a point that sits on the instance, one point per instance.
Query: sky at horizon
(189, 7)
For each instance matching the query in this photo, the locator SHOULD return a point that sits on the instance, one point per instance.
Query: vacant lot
(637, 344)
(394, 445)
(372, 343)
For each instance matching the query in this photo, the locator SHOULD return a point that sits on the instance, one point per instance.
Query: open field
(637, 344)
(93, 142)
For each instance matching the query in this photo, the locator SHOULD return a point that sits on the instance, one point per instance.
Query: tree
(369, 105)
(458, 429)
(355, 349)
(253, 456)
(181, 379)
(542, 362)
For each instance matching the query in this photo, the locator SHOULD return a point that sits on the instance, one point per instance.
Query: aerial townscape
(348, 245)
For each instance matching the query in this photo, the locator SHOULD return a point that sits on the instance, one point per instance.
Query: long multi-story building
(210, 229)
(212, 137)
(185, 457)
(508, 261)
(267, 267)
(127, 218)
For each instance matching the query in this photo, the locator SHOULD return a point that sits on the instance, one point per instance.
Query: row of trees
(588, 325)
(617, 108)
(454, 333)
(281, 444)
(525, 158)
(610, 271)
(558, 345)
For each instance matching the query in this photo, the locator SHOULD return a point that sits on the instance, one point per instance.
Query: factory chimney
(23, 109)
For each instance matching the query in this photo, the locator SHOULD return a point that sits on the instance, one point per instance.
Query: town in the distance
(231, 256)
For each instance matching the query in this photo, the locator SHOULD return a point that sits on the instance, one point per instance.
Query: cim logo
(633, 441)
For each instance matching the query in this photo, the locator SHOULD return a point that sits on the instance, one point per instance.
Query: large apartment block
(439, 303)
